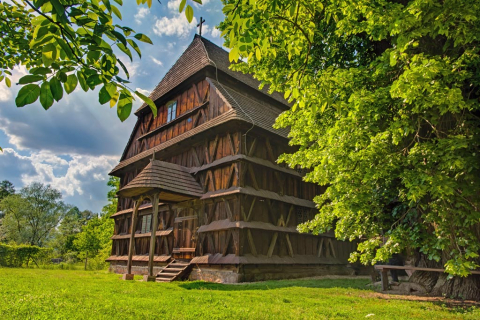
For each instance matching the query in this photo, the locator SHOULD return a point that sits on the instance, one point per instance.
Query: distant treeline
(36, 225)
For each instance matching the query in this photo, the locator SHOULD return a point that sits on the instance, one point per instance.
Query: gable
(195, 106)
(200, 54)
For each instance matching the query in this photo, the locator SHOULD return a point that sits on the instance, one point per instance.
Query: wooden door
(185, 234)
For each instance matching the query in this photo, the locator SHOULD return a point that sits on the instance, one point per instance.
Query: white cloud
(156, 61)
(132, 67)
(143, 91)
(175, 26)
(216, 33)
(73, 173)
(5, 93)
(173, 5)
(141, 13)
(205, 29)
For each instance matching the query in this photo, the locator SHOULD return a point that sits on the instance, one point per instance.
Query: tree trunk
(86, 262)
(436, 284)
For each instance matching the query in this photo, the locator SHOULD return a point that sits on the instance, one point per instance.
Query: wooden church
(201, 195)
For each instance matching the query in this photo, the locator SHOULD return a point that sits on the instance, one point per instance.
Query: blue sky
(74, 144)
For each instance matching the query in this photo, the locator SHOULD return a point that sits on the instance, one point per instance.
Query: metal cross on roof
(200, 25)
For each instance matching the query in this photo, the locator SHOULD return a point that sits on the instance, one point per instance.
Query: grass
(74, 294)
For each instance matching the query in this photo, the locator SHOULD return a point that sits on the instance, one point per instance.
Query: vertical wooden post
(384, 274)
(131, 246)
(153, 239)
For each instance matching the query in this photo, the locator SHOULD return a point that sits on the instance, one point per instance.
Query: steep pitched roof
(202, 53)
(165, 177)
(251, 110)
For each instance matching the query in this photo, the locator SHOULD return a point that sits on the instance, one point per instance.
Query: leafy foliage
(6, 189)
(111, 207)
(64, 44)
(70, 226)
(32, 215)
(21, 255)
(385, 113)
(94, 239)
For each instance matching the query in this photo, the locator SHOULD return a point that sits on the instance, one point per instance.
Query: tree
(32, 215)
(14, 209)
(70, 226)
(6, 189)
(111, 207)
(94, 240)
(88, 241)
(65, 43)
(385, 114)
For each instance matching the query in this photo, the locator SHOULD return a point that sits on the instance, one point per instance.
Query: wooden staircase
(175, 270)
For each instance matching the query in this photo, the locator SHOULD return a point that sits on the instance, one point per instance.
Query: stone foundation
(218, 274)
(252, 273)
(138, 267)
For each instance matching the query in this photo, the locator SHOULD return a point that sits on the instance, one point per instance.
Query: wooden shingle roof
(166, 178)
(202, 53)
(251, 110)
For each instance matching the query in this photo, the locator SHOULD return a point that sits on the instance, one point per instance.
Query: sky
(74, 144)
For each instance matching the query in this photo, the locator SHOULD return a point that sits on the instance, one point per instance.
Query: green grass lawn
(74, 294)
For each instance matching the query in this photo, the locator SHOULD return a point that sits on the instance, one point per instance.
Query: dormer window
(171, 111)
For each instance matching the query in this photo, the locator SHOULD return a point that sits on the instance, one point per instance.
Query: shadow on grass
(359, 284)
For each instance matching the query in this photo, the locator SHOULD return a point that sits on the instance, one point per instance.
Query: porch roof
(174, 183)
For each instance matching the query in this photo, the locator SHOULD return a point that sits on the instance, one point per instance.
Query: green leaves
(148, 101)
(143, 38)
(29, 79)
(116, 12)
(65, 45)
(71, 83)
(49, 54)
(28, 94)
(377, 103)
(125, 50)
(182, 6)
(124, 106)
(107, 93)
(56, 88)
(189, 13)
(83, 82)
(46, 96)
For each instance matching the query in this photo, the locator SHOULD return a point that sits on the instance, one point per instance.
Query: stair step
(163, 280)
(174, 269)
(168, 274)
(178, 265)
(160, 276)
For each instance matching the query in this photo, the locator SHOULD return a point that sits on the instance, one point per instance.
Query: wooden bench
(385, 268)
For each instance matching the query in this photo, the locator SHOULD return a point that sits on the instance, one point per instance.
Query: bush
(22, 255)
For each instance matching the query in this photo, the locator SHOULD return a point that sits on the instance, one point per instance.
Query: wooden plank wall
(197, 155)
(189, 103)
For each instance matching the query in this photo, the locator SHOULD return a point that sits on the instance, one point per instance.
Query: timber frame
(205, 188)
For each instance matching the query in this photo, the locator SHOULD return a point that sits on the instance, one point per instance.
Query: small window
(146, 223)
(172, 111)
(303, 215)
